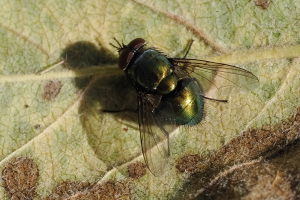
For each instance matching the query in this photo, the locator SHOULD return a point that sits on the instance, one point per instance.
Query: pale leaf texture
(54, 121)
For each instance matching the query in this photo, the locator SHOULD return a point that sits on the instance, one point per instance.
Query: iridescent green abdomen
(186, 101)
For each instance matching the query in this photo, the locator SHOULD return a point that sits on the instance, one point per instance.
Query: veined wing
(216, 77)
(154, 132)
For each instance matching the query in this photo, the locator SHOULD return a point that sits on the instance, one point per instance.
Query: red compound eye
(127, 53)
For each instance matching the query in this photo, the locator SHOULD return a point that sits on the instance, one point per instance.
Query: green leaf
(55, 118)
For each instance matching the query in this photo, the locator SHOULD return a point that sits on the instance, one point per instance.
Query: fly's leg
(50, 67)
(188, 48)
(116, 111)
(218, 100)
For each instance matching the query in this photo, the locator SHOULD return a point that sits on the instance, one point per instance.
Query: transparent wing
(217, 78)
(154, 131)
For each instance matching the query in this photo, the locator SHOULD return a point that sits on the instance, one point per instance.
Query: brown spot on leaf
(19, 178)
(251, 166)
(262, 4)
(275, 178)
(258, 181)
(109, 191)
(137, 170)
(67, 189)
(37, 126)
(51, 90)
(85, 191)
(188, 163)
(261, 142)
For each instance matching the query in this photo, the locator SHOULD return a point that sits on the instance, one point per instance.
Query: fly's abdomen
(186, 101)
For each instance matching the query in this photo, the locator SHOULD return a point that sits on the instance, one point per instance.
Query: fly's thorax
(186, 101)
(149, 68)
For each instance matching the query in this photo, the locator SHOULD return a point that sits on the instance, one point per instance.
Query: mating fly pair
(171, 92)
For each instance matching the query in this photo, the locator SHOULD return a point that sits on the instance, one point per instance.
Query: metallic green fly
(171, 92)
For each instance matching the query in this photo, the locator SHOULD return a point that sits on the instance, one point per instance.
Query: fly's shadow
(83, 54)
(114, 93)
